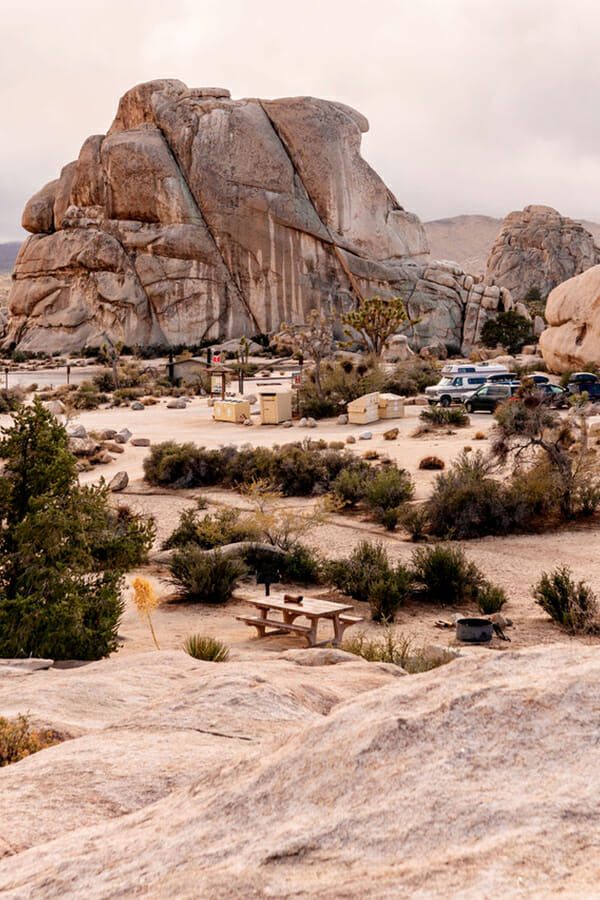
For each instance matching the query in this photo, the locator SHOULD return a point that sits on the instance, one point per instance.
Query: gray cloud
(474, 106)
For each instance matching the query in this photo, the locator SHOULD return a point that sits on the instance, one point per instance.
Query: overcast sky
(475, 106)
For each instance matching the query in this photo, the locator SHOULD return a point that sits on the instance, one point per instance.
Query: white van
(459, 381)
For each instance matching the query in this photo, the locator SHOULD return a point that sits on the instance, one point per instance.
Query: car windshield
(446, 381)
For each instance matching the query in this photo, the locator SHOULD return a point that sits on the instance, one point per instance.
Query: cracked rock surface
(199, 217)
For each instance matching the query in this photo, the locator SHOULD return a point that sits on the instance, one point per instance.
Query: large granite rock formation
(305, 775)
(539, 248)
(573, 313)
(198, 216)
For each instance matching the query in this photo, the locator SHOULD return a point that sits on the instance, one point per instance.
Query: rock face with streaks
(539, 248)
(201, 217)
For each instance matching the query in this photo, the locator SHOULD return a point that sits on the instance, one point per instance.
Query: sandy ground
(514, 562)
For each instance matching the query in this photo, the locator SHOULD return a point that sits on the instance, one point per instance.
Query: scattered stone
(288, 423)
(365, 436)
(342, 419)
(350, 439)
(56, 407)
(137, 405)
(391, 434)
(303, 423)
(501, 621)
(140, 442)
(83, 446)
(248, 422)
(124, 433)
(119, 482)
(177, 403)
(77, 432)
(311, 423)
(250, 398)
(108, 434)
(113, 447)
(102, 458)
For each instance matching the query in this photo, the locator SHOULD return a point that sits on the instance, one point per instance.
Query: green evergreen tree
(55, 536)
(510, 329)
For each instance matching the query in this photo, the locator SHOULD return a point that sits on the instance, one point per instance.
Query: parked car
(582, 377)
(459, 381)
(488, 396)
(553, 395)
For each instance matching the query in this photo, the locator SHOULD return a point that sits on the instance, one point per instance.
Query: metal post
(6, 377)
(68, 375)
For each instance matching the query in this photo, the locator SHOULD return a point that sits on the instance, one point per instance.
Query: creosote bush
(209, 531)
(204, 576)
(293, 469)
(446, 575)
(445, 416)
(202, 647)
(573, 605)
(18, 740)
(490, 598)
(368, 576)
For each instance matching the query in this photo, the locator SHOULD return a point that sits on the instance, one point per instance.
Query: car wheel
(469, 406)
(445, 401)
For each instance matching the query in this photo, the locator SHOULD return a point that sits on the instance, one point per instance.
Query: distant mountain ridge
(8, 255)
(467, 239)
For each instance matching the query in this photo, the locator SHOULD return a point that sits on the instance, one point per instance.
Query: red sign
(217, 358)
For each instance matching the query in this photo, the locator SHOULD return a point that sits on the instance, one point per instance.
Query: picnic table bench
(311, 609)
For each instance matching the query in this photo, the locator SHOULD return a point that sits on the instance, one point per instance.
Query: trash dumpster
(364, 409)
(275, 407)
(391, 406)
(231, 410)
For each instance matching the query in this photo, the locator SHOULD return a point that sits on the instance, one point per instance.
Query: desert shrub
(432, 462)
(415, 519)
(397, 649)
(209, 531)
(490, 598)
(442, 416)
(87, 396)
(411, 377)
(367, 576)
(302, 564)
(11, 399)
(18, 740)
(202, 647)
(293, 469)
(125, 540)
(204, 577)
(466, 502)
(572, 604)
(445, 574)
(183, 465)
(388, 488)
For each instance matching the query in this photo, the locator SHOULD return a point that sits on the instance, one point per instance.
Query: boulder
(140, 442)
(203, 217)
(350, 439)
(342, 419)
(83, 446)
(391, 434)
(539, 248)
(77, 432)
(119, 482)
(113, 447)
(572, 339)
(56, 407)
(177, 403)
(365, 436)
(137, 405)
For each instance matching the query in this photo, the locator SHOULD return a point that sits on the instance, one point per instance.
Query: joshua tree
(375, 321)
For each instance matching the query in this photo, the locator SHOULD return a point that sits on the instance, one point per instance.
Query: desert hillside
(8, 255)
(467, 239)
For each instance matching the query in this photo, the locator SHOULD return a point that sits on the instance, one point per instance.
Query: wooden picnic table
(311, 609)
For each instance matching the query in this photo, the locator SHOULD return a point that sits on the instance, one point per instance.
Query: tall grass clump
(202, 647)
(445, 416)
(398, 649)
